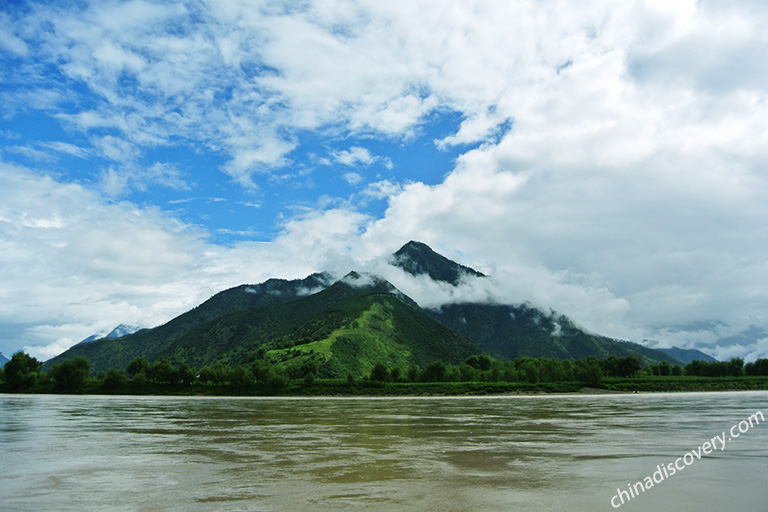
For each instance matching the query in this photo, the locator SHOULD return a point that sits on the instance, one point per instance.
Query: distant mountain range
(346, 326)
(3, 360)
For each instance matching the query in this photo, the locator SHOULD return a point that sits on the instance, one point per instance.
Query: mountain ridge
(343, 325)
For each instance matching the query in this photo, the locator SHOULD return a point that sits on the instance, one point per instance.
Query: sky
(606, 160)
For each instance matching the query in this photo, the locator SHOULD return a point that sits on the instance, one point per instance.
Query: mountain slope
(149, 342)
(508, 332)
(365, 330)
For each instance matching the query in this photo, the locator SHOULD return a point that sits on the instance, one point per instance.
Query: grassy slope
(374, 328)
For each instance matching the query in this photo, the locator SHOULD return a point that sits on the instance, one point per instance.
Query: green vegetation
(477, 374)
(509, 332)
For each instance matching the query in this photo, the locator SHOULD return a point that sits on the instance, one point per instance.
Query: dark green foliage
(479, 362)
(137, 365)
(70, 375)
(434, 372)
(163, 372)
(509, 332)
(214, 374)
(732, 368)
(114, 380)
(413, 373)
(380, 372)
(154, 344)
(759, 367)
(186, 374)
(240, 377)
(587, 371)
(626, 366)
(21, 372)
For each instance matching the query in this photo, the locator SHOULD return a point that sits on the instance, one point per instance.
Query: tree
(186, 374)
(677, 370)
(163, 372)
(21, 371)
(214, 374)
(434, 372)
(240, 377)
(479, 362)
(260, 370)
(137, 365)
(665, 369)
(413, 373)
(736, 367)
(694, 368)
(114, 379)
(379, 373)
(467, 373)
(628, 366)
(71, 375)
(587, 371)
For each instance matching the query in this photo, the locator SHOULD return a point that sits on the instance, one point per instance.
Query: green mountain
(508, 332)
(345, 328)
(511, 331)
(418, 258)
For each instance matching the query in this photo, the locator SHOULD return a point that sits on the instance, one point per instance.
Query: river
(518, 453)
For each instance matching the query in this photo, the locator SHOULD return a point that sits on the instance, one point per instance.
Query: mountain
(348, 325)
(686, 355)
(3, 360)
(344, 328)
(508, 332)
(418, 258)
(511, 331)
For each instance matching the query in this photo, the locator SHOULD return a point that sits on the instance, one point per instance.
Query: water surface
(570, 453)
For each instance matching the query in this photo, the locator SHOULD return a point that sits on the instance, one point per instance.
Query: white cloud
(382, 189)
(353, 178)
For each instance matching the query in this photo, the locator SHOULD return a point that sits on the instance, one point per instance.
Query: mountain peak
(418, 258)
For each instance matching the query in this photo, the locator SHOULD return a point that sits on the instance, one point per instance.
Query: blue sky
(606, 160)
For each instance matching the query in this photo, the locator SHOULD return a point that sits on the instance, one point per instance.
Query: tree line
(24, 372)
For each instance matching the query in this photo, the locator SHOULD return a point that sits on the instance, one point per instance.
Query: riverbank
(342, 387)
